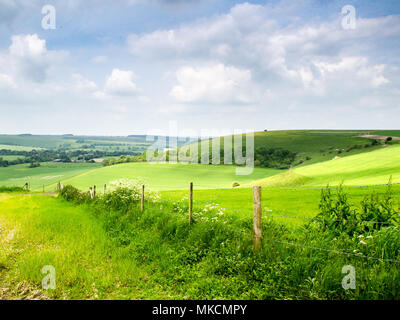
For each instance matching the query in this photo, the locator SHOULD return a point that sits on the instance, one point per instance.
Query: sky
(150, 66)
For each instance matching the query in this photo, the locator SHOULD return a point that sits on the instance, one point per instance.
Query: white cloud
(27, 46)
(28, 58)
(213, 84)
(99, 59)
(121, 82)
(6, 81)
(300, 55)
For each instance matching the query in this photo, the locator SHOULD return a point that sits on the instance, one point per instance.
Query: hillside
(168, 176)
(313, 146)
(374, 167)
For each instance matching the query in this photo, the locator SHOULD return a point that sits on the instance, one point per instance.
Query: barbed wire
(332, 220)
(178, 188)
(359, 255)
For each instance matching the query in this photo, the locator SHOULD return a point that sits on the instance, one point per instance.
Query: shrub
(72, 194)
(338, 216)
(235, 184)
(12, 189)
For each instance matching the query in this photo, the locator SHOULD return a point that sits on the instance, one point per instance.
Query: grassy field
(313, 146)
(39, 231)
(17, 148)
(168, 176)
(363, 169)
(47, 174)
(289, 203)
(11, 158)
(126, 254)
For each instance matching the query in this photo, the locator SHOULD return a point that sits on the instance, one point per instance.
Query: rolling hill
(374, 167)
(168, 176)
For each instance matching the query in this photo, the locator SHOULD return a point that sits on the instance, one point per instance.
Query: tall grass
(213, 258)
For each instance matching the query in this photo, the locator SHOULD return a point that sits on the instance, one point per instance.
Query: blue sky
(133, 66)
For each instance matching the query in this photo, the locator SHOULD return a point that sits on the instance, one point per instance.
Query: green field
(363, 169)
(11, 158)
(313, 146)
(168, 176)
(46, 175)
(17, 148)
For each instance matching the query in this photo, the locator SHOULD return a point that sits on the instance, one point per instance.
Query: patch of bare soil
(372, 136)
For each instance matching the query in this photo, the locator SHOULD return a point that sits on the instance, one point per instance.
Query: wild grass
(107, 249)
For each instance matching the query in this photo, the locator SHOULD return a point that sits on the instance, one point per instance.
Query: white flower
(363, 242)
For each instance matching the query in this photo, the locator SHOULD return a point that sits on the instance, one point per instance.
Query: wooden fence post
(142, 200)
(94, 191)
(105, 188)
(257, 223)
(91, 192)
(191, 203)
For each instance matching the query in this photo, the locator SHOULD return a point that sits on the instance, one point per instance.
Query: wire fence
(255, 215)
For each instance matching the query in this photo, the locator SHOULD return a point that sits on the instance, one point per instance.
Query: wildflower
(361, 236)
(363, 242)
(369, 237)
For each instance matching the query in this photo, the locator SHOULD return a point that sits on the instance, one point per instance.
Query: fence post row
(257, 224)
(142, 200)
(190, 202)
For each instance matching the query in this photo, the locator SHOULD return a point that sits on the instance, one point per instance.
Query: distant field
(47, 174)
(313, 146)
(368, 168)
(168, 176)
(17, 148)
(11, 158)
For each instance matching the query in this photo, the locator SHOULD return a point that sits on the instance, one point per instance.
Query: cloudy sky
(132, 66)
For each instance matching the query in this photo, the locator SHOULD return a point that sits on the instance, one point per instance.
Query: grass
(315, 145)
(11, 158)
(363, 169)
(16, 148)
(100, 253)
(47, 174)
(291, 203)
(168, 176)
(40, 231)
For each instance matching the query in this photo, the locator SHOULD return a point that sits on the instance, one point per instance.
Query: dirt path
(372, 136)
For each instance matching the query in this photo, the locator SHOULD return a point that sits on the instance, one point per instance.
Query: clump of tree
(274, 158)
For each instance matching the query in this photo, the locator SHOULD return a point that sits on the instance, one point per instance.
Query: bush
(72, 194)
(235, 184)
(338, 216)
(275, 158)
(12, 189)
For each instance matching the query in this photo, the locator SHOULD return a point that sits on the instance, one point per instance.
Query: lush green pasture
(47, 174)
(39, 231)
(11, 158)
(363, 169)
(313, 146)
(168, 176)
(118, 252)
(275, 202)
(17, 148)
